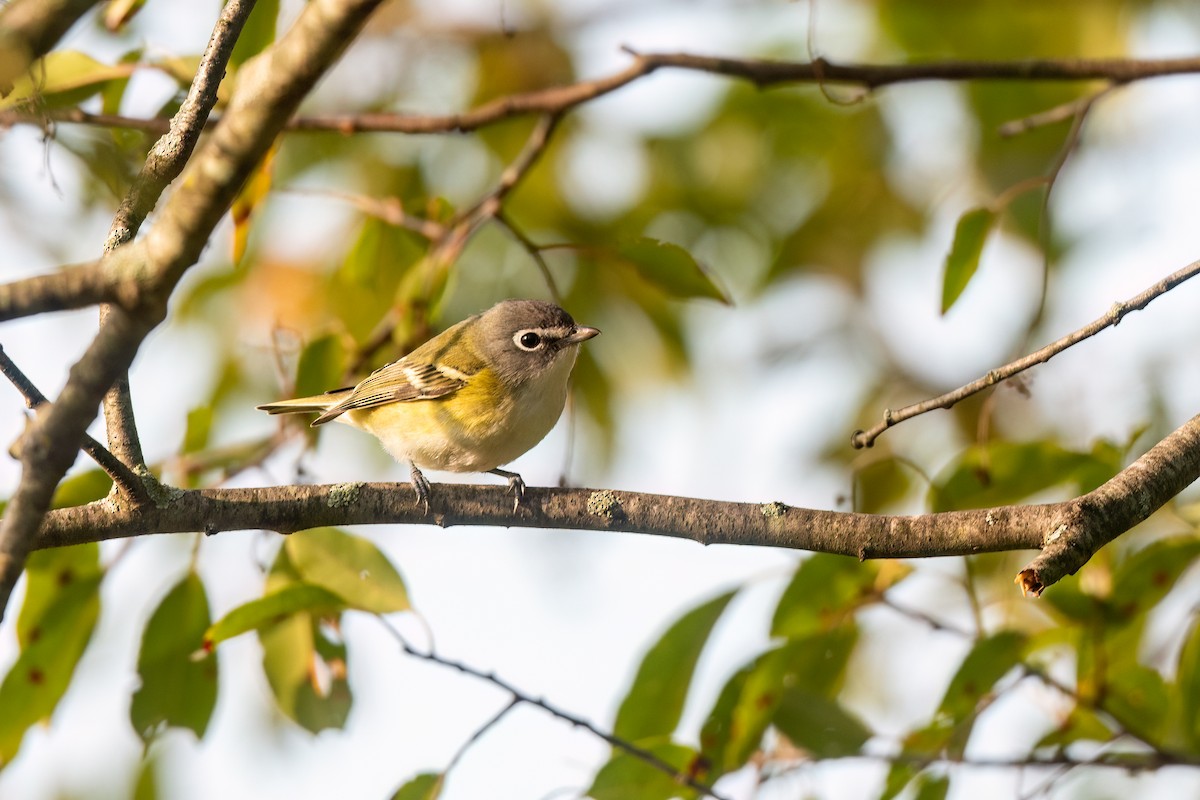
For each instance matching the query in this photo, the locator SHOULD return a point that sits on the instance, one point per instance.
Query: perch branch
(1000, 374)
(1067, 533)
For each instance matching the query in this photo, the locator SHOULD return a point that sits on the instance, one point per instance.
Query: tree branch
(762, 72)
(520, 697)
(270, 88)
(1114, 316)
(131, 486)
(1068, 533)
(163, 164)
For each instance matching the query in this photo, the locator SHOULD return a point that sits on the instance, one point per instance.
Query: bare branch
(520, 697)
(1068, 532)
(270, 88)
(163, 164)
(560, 99)
(130, 485)
(1111, 319)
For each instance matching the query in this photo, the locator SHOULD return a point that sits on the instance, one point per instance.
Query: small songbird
(471, 399)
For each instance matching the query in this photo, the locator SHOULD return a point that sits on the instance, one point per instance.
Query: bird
(471, 399)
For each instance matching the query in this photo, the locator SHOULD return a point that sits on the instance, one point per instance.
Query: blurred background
(819, 219)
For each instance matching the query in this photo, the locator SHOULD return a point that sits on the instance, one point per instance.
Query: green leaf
(62, 603)
(275, 606)
(82, 488)
(1139, 699)
(989, 660)
(1081, 724)
(309, 689)
(1002, 473)
(178, 674)
(672, 269)
(257, 34)
(199, 426)
(1143, 579)
(349, 566)
(146, 786)
(118, 13)
(828, 588)
(365, 287)
(655, 700)
(749, 701)
(819, 724)
(969, 237)
(426, 786)
(932, 788)
(900, 774)
(322, 364)
(63, 78)
(1188, 681)
(626, 777)
(880, 484)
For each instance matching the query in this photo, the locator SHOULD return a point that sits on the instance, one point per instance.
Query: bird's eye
(528, 340)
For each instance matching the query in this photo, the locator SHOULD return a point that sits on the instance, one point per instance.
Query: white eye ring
(529, 341)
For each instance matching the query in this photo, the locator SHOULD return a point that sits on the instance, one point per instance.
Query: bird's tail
(303, 405)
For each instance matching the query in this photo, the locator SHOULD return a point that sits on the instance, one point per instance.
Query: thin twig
(518, 696)
(559, 99)
(131, 485)
(1000, 374)
(534, 252)
(1052, 116)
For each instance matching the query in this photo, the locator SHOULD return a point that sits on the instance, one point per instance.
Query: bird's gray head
(524, 338)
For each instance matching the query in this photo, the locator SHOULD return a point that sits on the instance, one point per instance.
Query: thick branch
(269, 90)
(163, 164)
(1068, 533)
(1104, 514)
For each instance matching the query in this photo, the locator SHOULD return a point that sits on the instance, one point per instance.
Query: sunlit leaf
(199, 425)
(880, 484)
(627, 777)
(1081, 724)
(426, 786)
(82, 488)
(655, 701)
(178, 675)
(252, 195)
(899, 775)
(118, 13)
(1138, 698)
(273, 607)
(989, 660)
(62, 603)
(257, 34)
(63, 78)
(350, 567)
(826, 588)
(969, 237)
(307, 688)
(672, 269)
(365, 287)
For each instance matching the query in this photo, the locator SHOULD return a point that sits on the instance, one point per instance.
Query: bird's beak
(580, 334)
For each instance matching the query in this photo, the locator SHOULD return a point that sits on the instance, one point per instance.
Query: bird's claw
(516, 485)
(421, 486)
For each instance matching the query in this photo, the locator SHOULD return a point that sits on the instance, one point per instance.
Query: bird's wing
(398, 382)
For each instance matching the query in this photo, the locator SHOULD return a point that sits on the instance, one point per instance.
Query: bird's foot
(421, 486)
(516, 485)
